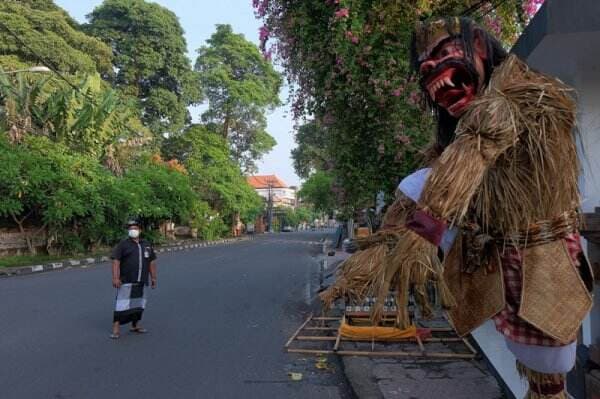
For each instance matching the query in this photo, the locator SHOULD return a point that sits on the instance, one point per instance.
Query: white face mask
(134, 233)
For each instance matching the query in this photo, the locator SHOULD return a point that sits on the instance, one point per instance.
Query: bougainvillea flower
(342, 13)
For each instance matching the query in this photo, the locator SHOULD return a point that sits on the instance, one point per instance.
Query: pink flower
(397, 92)
(531, 7)
(354, 39)
(260, 7)
(342, 13)
(493, 24)
(263, 33)
(414, 97)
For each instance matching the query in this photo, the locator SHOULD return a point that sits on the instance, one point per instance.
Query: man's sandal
(114, 336)
(138, 330)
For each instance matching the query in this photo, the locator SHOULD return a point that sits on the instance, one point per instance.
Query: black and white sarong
(129, 303)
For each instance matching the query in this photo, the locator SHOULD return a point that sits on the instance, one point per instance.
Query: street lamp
(33, 69)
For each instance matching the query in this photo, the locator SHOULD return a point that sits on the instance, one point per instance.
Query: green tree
(150, 60)
(44, 30)
(310, 153)
(240, 86)
(45, 186)
(80, 204)
(215, 177)
(318, 191)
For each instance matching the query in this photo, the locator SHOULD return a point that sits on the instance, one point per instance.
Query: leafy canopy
(240, 85)
(214, 176)
(317, 191)
(45, 30)
(149, 59)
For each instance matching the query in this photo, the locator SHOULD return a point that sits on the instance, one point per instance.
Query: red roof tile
(264, 181)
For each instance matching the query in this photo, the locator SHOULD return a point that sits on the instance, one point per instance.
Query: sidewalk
(408, 379)
(402, 378)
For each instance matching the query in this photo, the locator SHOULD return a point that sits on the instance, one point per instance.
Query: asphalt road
(217, 325)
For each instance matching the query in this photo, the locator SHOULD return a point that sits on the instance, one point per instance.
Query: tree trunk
(28, 240)
(226, 126)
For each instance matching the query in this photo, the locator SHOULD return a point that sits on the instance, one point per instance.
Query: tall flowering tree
(348, 64)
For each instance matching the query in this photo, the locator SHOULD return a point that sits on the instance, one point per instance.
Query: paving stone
(456, 380)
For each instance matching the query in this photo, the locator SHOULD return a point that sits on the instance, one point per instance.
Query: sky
(198, 19)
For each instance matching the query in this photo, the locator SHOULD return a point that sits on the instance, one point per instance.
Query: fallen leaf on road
(321, 363)
(295, 376)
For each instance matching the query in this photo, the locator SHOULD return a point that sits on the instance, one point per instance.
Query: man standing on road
(133, 259)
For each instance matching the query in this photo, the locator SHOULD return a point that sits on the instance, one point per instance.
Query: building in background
(271, 186)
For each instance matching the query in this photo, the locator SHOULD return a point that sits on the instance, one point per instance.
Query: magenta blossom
(352, 37)
(263, 33)
(342, 13)
(531, 7)
(414, 97)
(260, 7)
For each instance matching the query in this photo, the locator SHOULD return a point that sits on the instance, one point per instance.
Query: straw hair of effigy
(356, 276)
(413, 263)
(514, 160)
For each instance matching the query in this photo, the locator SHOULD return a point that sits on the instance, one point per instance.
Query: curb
(84, 262)
(362, 384)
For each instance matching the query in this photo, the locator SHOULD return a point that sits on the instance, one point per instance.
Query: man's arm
(116, 273)
(153, 275)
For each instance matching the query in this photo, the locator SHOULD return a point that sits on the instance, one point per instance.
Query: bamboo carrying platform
(322, 335)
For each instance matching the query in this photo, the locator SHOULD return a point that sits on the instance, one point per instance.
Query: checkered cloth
(129, 303)
(507, 321)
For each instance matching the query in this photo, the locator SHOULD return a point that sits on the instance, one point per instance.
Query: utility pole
(270, 205)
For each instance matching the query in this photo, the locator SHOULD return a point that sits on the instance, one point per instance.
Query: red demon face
(450, 79)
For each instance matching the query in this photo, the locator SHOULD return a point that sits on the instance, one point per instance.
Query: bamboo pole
(408, 354)
(312, 351)
(314, 338)
(287, 344)
(420, 343)
(339, 335)
(468, 345)
(321, 329)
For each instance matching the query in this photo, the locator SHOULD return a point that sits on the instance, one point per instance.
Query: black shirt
(129, 253)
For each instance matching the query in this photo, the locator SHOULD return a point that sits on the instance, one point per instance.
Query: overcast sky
(198, 19)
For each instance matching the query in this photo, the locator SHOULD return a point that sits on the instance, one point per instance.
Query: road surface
(217, 325)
